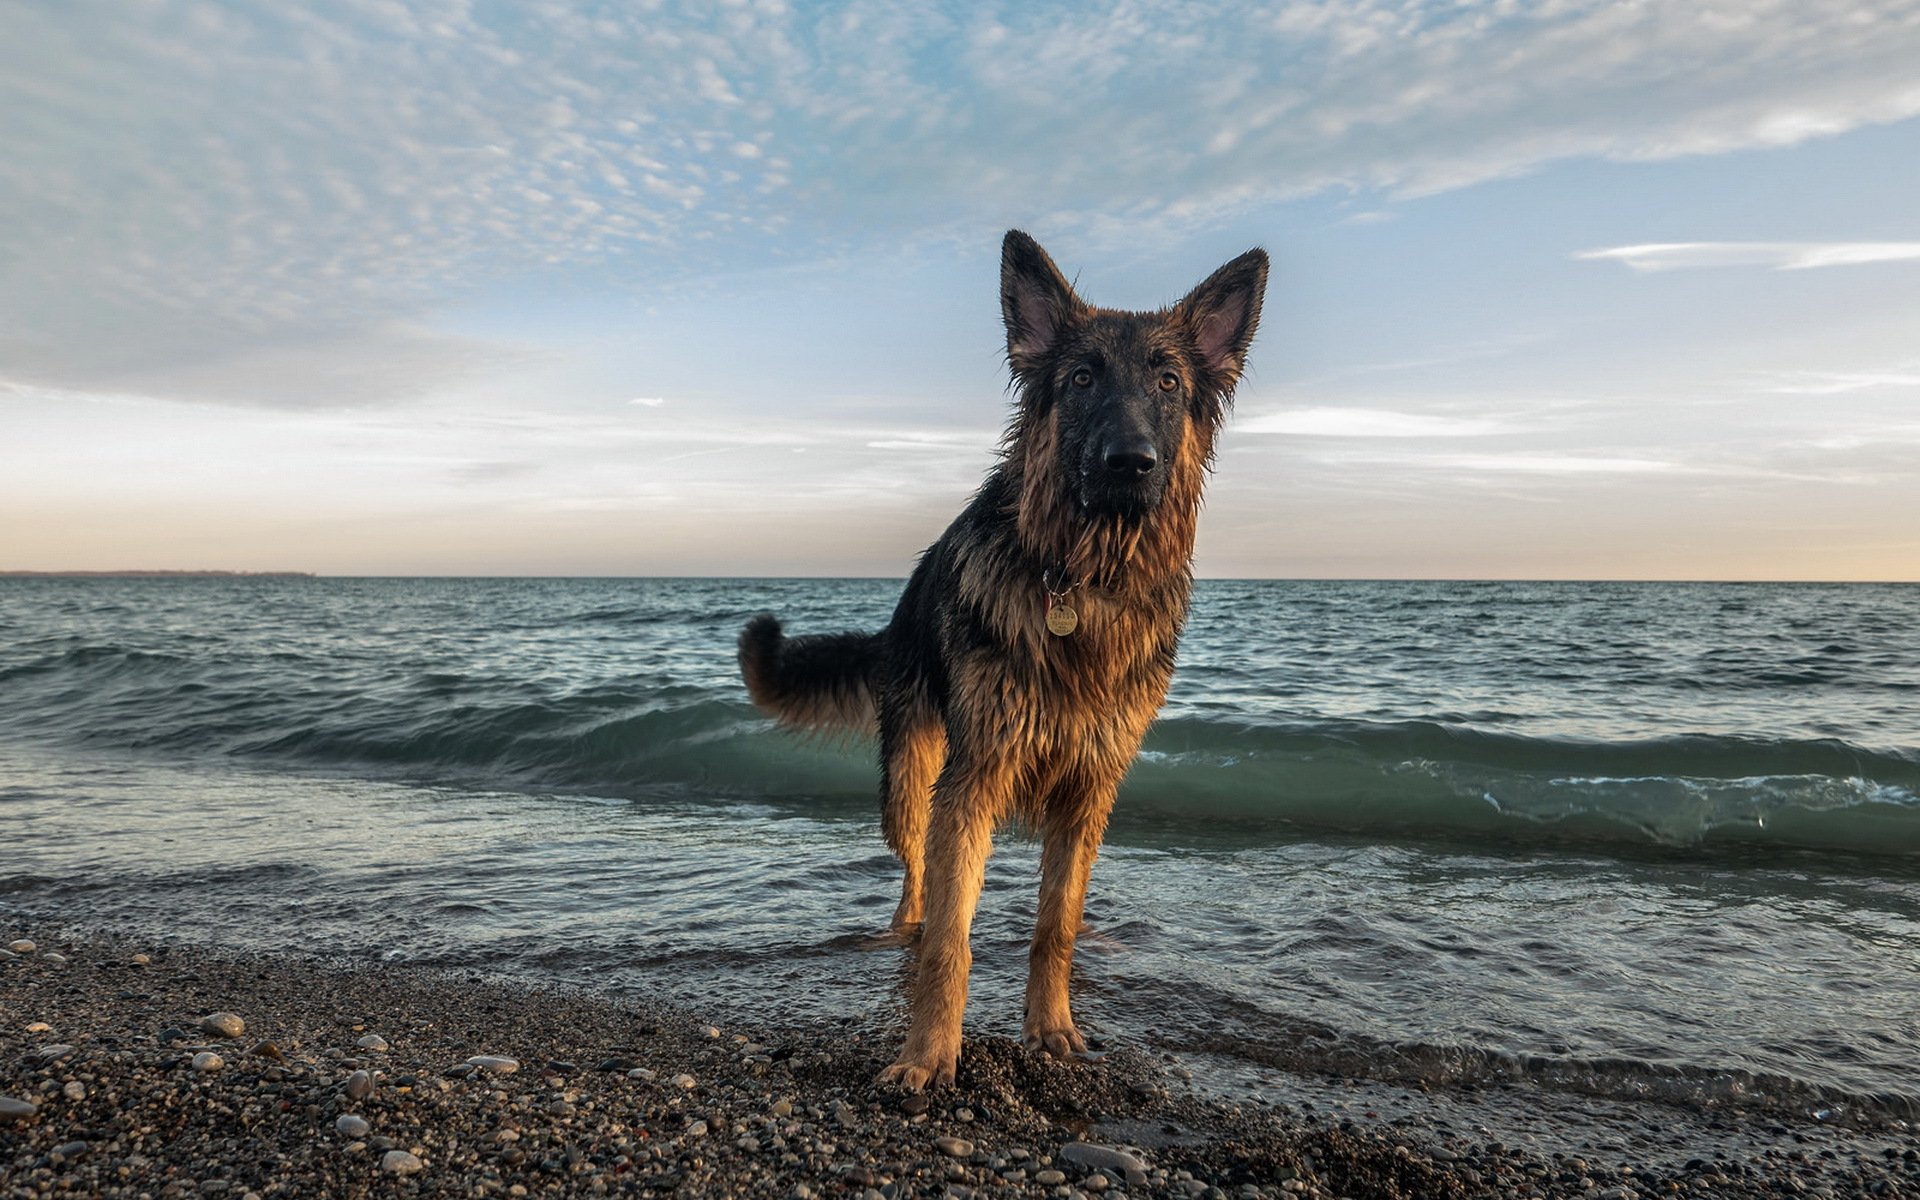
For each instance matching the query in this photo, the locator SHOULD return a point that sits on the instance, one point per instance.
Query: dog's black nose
(1131, 459)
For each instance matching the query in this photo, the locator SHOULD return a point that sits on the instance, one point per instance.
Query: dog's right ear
(1036, 301)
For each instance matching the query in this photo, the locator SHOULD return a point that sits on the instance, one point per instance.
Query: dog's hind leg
(911, 757)
(967, 802)
(1072, 825)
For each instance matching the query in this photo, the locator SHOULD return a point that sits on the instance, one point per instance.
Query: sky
(1567, 289)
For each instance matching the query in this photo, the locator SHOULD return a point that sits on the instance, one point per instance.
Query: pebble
(141, 960)
(781, 1108)
(400, 1162)
(1107, 1158)
(23, 946)
(207, 1061)
(372, 1041)
(1050, 1177)
(15, 1110)
(498, 1064)
(641, 1073)
(70, 1151)
(7, 956)
(684, 1082)
(359, 1085)
(54, 957)
(351, 1126)
(954, 1147)
(39, 1027)
(267, 1050)
(75, 1090)
(697, 1129)
(51, 1055)
(711, 1031)
(223, 1024)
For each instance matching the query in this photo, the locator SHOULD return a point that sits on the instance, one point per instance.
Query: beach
(1415, 890)
(355, 1080)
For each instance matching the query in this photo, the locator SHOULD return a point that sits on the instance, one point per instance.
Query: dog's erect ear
(1223, 312)
(1035, 300)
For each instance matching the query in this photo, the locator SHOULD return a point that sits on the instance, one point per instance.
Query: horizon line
(214, 573)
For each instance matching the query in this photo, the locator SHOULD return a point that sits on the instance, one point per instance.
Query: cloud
(1545, 463)
(348, 365)
(648, 401)
(1834, 383)
(1369, 423)
(1780, 256)
(962, 442)
(259, 173)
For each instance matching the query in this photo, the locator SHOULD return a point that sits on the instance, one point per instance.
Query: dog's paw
(1058, 1038)
(914, 1073)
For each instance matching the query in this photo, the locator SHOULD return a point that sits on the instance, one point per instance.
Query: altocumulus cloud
(269, 200)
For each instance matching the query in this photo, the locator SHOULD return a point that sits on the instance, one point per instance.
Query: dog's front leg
(966, 803)
(1075, 821)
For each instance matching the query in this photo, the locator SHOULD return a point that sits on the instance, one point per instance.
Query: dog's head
(1130, 398)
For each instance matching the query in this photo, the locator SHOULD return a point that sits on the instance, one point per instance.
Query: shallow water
(1646, 841)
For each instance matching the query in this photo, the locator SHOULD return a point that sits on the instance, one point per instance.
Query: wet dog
(1035, 640)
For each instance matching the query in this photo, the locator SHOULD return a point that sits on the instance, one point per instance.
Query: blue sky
(1560, 290)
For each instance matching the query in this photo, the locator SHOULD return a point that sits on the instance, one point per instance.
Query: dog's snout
(1131, 458)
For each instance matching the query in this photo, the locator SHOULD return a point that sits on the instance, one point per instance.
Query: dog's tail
(821, 682)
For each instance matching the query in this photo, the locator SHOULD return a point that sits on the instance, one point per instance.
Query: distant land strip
(156, 575)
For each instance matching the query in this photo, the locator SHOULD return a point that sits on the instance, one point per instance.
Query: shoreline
(636, 1097)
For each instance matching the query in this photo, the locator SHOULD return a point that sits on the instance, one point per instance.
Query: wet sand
(106, 1089)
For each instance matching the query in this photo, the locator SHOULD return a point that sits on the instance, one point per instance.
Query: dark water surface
(1638, 840)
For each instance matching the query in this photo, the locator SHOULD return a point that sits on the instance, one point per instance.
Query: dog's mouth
(1101, 498)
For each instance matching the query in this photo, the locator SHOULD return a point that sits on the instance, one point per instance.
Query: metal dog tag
(1062, 620)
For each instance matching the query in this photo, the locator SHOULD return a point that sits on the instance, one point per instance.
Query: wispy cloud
(1780, 256)
(1369, 423)
(648, 401)
(1834, 383)
(190, 182)
(1557, 464)
(929, 440)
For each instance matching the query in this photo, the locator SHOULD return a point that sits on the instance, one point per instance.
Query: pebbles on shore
(494, 1064)
(118, 1118)
(1110, 1159)
(223, 1025)
(401, 1162)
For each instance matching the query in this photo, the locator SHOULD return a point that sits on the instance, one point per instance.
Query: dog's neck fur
(1128, 556)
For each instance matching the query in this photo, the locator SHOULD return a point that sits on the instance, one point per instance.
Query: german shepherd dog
(1035, 640)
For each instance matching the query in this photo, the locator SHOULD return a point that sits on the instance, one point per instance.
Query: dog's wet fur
(983, 715)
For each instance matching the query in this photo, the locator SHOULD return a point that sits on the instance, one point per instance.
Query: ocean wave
(1208, 775)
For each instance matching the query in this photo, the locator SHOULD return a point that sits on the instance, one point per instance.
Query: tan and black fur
(983, 715)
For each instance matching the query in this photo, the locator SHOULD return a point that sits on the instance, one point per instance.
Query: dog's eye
(1169, 382)
(1083, 378)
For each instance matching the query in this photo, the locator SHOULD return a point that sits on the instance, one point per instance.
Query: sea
(1658, 842)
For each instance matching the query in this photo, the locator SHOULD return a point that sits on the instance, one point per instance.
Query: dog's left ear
(1222, 314)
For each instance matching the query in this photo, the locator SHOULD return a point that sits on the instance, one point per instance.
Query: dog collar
(1061, 619)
